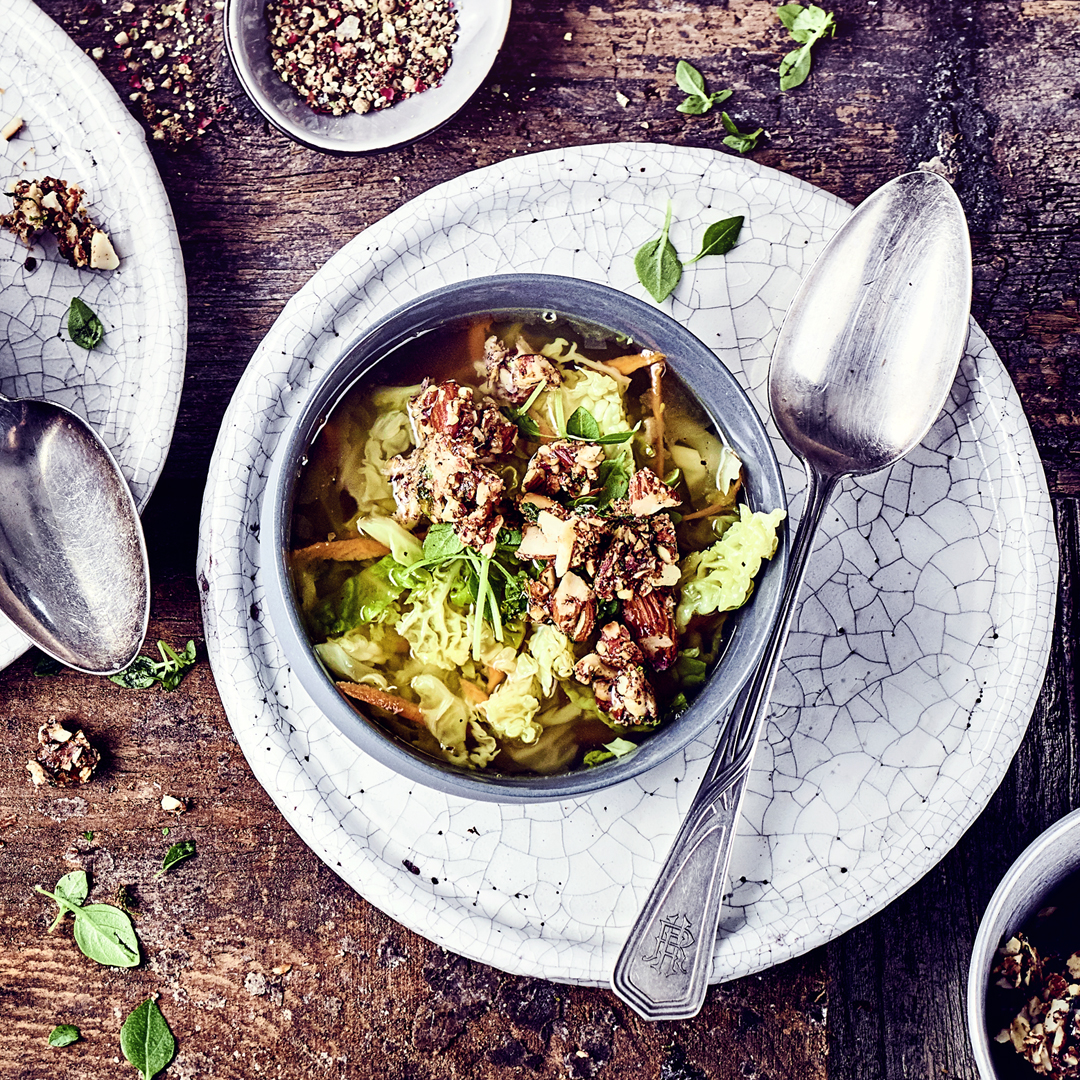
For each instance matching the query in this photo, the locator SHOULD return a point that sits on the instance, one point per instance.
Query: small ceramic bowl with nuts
(1023, 1002)
(358, 76)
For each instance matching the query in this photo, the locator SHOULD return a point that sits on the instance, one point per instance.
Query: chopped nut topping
(64, 757)
(644, 555)
(447, 408)
(618, 679)
(565, 467)
(442, 480)
(513, 376)
(651, 619)
(54, 206)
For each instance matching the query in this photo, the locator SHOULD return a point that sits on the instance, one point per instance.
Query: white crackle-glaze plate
(906, 686)
(77, 129)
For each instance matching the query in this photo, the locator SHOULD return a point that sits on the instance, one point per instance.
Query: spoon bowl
(73, 568)
(860, 371)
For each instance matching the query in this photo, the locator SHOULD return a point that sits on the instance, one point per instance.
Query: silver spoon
(861, 369)
(73, 570)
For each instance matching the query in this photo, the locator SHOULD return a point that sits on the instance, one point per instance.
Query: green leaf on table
(177, 853)
(169, 671)
(658, 265)
(807, 25)
(691, 82)
(719, 238)
(73, 887)
(103, 933)
(741, 141)
(146, 1040)
(63, 1035)
(84, 327)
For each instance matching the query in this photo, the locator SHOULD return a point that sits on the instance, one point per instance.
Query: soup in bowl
(525, 539)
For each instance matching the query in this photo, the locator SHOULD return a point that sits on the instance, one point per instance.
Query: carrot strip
(494, 677)
(407, 710)
(715, 508)
(472, 692)
(354, 549)
(626, 365)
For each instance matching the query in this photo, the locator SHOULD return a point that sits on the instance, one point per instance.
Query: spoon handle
(663, 969)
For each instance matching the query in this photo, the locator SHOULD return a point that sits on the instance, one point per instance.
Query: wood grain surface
(265, 964)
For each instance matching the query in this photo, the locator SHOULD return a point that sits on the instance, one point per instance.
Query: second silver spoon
(862, 366)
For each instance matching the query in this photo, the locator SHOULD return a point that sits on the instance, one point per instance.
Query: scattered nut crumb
(64, 757)
(171, 805)
(282, 969)
(621, 98)
(11, 128)
(54, 206)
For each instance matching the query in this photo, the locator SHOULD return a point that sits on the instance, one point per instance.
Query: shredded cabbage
(450, 720)
(721, 577)
(554, 656)
(510, 710)
(405, 548)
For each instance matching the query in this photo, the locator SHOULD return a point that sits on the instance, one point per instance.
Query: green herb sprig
(177, 853)
(658, 265)
(63, 1035)
(807, 25)
(692, 83)
(582, 427)
(741, 141)
(169, 671)
(84, 327)
(103, 933)
(525, 423)
(146, 1039)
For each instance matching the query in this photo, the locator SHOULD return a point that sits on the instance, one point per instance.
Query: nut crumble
(345, 56)
(54, 206)
(64, 757)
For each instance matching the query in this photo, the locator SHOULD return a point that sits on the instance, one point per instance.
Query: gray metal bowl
(481, 29)
(1051, 858)
(717, 391)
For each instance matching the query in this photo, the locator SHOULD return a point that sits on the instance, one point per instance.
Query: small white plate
(78, 130)
(481, 29)
(907, 683)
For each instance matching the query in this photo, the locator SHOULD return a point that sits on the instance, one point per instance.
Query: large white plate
(907, 683)
(77, 129)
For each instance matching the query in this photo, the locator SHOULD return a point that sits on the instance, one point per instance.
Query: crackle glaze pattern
(77, 129)
(907, 683)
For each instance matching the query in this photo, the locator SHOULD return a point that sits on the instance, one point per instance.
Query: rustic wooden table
(266, 964)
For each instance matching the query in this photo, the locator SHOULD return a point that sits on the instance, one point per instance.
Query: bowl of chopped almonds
(357, 76)
(524, 539)
(1023, 1002)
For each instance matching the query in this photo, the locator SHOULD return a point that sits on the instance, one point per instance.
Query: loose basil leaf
(442, 541)
(106, 935)
(63, 1035)
(582, 425)
(73, 887)
(742, 141)
(169, 671)
(146, 1040)
(689, 79)
(177, 853)
(691, 82)
(84, 327)
(720, 237)
(658, 265)
(138, 675)
(806, 25)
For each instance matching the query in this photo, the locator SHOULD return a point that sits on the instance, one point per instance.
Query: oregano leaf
(146, 1039)
(63, 1035)
(689, 79)
(720, 237)
(177, 853)
(106, 934)
(84, 327)
(582, 425)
